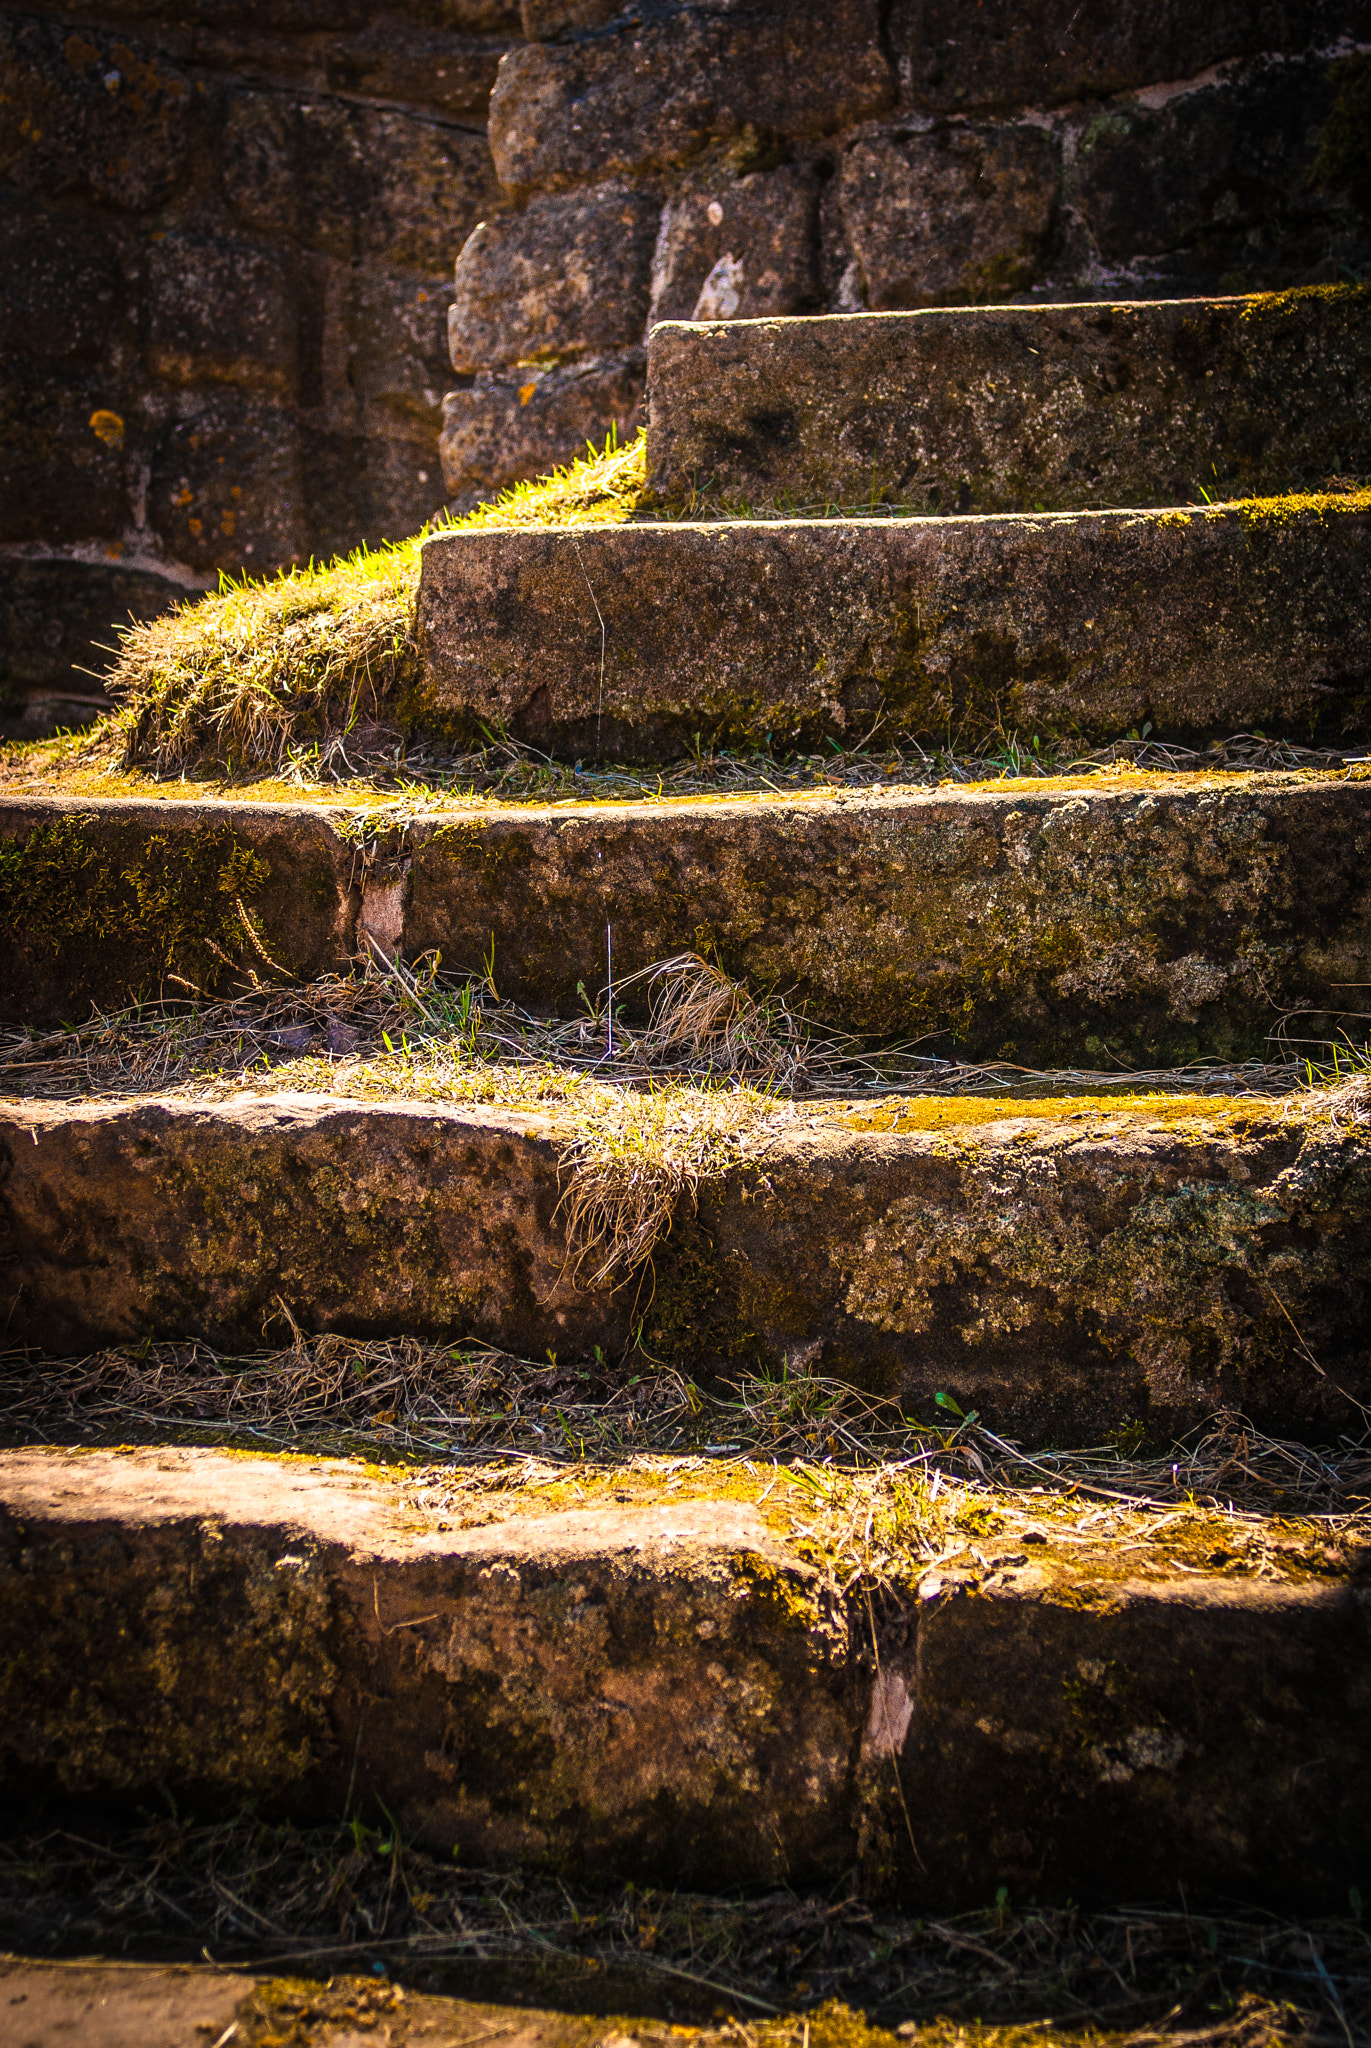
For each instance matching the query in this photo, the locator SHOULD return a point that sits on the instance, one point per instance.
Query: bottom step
(637, 1676)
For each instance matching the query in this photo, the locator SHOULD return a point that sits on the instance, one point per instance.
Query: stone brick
(655, 95)
(62, 285)
(81, 111)
(354, 182)
(59, 620)
(954, 216)
(62, 436)
(504, 429)
(744, 249)
(1009, 55)
(567, 278)
(397, 345)
(1209, 167)
(220, 313)
(226, 487)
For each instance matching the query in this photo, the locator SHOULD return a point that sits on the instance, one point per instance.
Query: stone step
(1065, 1266)
(641, 1684)
(635, 642)
(1142, 919)
(1012, 408)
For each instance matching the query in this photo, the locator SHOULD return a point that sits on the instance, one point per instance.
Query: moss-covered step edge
(1065, 1267)
(1016, 408)
(675, 1690)
(637, 642)
(1143, 918)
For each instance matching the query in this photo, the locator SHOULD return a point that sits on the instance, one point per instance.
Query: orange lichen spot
(526, 392)
(107, 427)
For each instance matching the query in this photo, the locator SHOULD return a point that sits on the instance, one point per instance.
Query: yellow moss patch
(940, 1113)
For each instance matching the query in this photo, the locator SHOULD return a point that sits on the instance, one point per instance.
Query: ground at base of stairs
(726, 1689)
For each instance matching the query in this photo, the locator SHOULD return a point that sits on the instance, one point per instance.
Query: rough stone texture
(1063, 1272)
(793, 629)
(1154, 918)
(1159, 919)
(1194, 174)
(668, 1692)
(1042, 56)
(1060, 407)
(61, 619)
(656, 94)
(111, 901)
(568, 277)
(119, 2004)
(516, 423)
(1105, 1726)
(226, 240)
(951, 217)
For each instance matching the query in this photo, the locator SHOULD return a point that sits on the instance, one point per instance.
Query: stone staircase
(636, 1682)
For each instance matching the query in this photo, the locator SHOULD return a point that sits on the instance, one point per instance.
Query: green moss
(180, 905)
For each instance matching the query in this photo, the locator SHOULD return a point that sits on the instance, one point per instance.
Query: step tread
(1003, 407)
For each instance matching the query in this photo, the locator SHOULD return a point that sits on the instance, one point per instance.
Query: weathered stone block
(59, 621)
(101, 903)
(744, 248)
(226, 486)
(220, 313)
(62, 444)
(503, 429)
(1012, 56)
(63, 285)
(949, 217)
(82, 111)
(354, 181)
(1061, 1268)
(1208, 168)
(784, 630)
(1058, 407)
(656, 94)
(567, 278)
(397, 348)
(666, 1690)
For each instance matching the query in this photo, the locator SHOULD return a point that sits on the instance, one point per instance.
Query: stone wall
(757, 157)
(227, 230)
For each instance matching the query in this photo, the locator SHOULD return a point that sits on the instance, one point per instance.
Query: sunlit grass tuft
(242, 676)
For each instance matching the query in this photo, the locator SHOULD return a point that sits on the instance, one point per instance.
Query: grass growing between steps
(242, 675)
(317, 671)
(644, 1114)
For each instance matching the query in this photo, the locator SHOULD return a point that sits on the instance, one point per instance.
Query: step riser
(1008, 408)
(1158, 921)
(797, 631)
(102, 902)
(1064, 1276)
(668, 1694)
